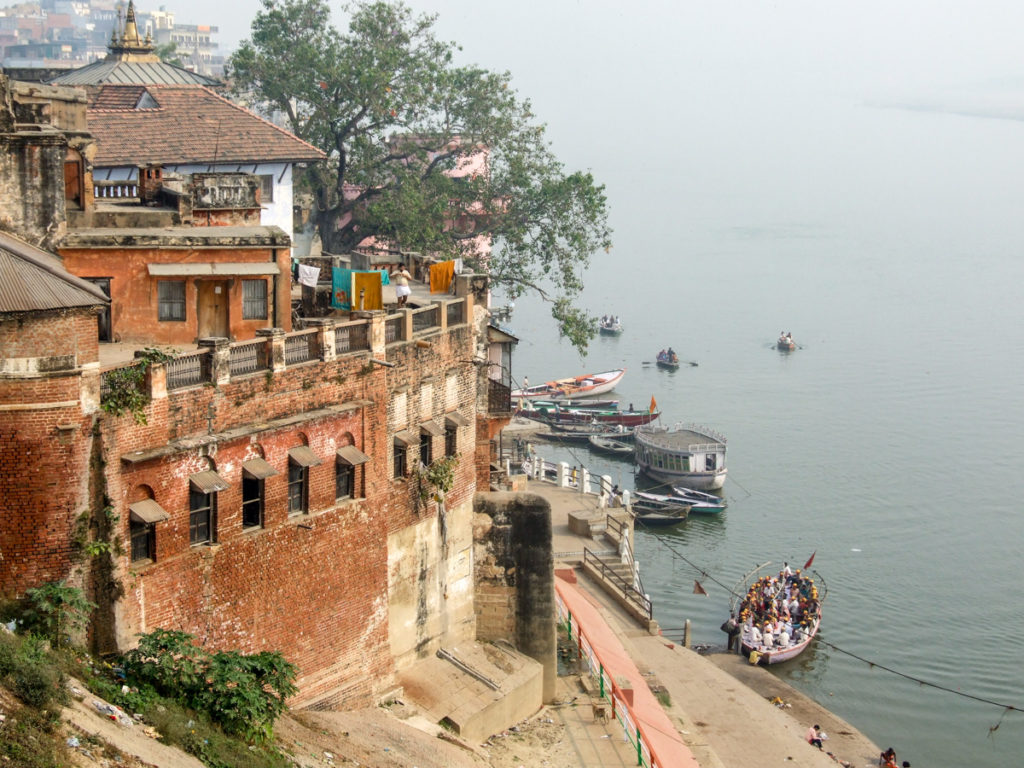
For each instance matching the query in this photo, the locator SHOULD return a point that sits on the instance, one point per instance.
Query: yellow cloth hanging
(441, 276)
(370, 283)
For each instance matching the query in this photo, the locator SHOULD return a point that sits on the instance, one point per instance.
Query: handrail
(628, 588)
(608, 688)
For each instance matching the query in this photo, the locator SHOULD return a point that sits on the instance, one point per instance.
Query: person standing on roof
(401, 277)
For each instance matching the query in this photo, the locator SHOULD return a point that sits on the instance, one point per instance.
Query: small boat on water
(765, 636)
(668, 360)
(653, 513)
(785, 342)
(528, 407)
(608, 443)
(688, 454)
(609, 325)
(610, 418)
(576, 433)
(700, 503)
(588, 385)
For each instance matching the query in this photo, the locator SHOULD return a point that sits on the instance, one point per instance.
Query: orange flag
(698, 589)
(654, 404)
(811, 560)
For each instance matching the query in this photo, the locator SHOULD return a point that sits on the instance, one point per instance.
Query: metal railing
(248, 357)
(351, 338)
(301, 347)
(426, 318)
(454, 311)
(499, 397)
(393, 329)
(188, 371)
(628, 587)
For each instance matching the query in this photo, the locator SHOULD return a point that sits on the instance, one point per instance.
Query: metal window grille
(400, 459)
(393, 330)
(143, 537)
(344, 479)
(171, 300)
(254, 299)
(298, 482)
(300, 348)
(425, 319)
(186, 371)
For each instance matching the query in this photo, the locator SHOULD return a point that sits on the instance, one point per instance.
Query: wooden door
(73, 183)
(103, 283)
(213, 308)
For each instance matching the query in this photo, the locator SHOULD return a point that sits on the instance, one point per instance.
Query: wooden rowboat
(588, 385)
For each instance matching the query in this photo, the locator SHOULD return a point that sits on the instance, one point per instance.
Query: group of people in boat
(668, 355)
(609, 320)
(778, 611)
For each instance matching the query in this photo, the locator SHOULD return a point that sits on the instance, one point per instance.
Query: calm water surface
(890, 443)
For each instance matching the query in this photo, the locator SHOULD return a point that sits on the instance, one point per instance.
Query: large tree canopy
(422, 153)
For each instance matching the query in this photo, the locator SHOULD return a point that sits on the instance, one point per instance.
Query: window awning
(147, 511)
(303, 456)
(258, 468)
(208, 269)
(208, 482)
(456, 419)
(352, 455)
(431, 428)
(405, 437)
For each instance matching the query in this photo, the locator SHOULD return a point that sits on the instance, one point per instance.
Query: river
(889, 443)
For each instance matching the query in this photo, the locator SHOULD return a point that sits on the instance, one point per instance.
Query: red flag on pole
(654, 404)
(698, 589)
(811, 560)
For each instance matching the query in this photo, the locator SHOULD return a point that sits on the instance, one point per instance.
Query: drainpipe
(273, 285)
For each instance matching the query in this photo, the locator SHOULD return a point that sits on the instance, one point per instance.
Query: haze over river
(852, 173)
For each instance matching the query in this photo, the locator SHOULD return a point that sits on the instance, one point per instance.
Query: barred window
(266, 188)
(143, 536)
(254, 299)
(451, 440)
(171, 300)
(298, 489)
(202, 508)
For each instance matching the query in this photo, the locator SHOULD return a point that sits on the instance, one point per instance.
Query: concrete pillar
(406, 324)
(563, 474)
(606, 485)
(220, 359)
(157, 376)
(275, 337)
(584, 478)
(442, 308)
(325, 336)
(625, 499)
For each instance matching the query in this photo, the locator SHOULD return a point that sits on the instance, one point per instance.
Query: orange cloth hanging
(441, 276)
(370, 283)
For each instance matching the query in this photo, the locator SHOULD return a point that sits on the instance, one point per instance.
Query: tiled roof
(124, 97)
(190, 124)
(33, 280)
(104, 72)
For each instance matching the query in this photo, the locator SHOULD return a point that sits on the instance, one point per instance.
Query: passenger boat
(786, 342)
(758, 652)
(700, 503)
(652, 513)
(609, 326)
(588, 385)
(668, 360)
(690, 455)
(610, 444)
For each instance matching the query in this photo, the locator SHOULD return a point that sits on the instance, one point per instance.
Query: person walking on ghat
(401, 277)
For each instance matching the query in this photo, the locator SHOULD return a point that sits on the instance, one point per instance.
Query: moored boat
(576, 432)
(700, 503)
(611, 418)
(667, 359)
(690, 455)
(608, 443)
(778, 618)
(588, 385)
(653, 513)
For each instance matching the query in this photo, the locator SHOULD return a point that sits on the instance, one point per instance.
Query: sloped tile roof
(104, 72)
(32, 280)
(125, 97)
(190, 124)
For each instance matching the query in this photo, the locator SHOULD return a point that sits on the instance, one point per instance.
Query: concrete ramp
(476, 689)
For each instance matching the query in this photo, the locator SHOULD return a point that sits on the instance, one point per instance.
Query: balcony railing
(393, 329)
(499, 397)
(188, 371)
(455, 311)
(301, 347)
(426, 319)
(114, 189)
(248, 357)
(351, 338)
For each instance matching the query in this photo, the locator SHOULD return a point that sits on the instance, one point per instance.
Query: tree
(424, 154)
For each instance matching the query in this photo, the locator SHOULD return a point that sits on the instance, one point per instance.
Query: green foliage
(439, 477)
(439, 155)
(128, 392)
(168, 52)
(31, 739)
(56, 611)
(243, 694)
(26, 668)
